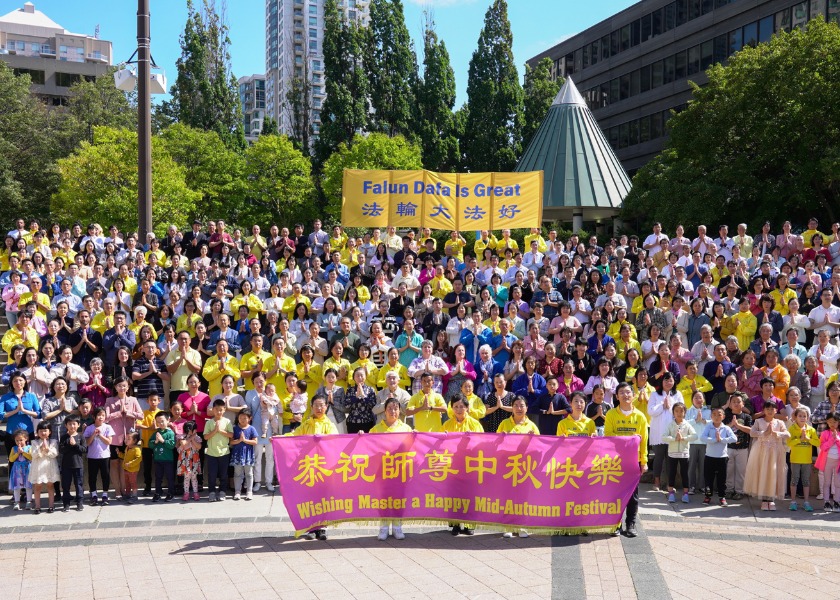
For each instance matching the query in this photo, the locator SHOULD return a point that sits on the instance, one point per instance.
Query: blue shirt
(714, 448)
(9, 402)
(496, 342)
(243, 454)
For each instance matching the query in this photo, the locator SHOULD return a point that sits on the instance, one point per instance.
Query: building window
(37, 77)
(313, 21)
(66, 79)
(313, 33)
(313, 45)
(800, 14)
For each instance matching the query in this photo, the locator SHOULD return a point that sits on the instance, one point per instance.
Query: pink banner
(542, 483)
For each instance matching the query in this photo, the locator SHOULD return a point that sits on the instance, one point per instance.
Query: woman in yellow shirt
(461, 419)
(308, 370)
(246, 298)
(341, 365)
(188, 320)
(364, 362)
(391, 423)
(393, 364)
(317, 424)
(519, 421)
(475, 406)
(576, 424)
(642, 391)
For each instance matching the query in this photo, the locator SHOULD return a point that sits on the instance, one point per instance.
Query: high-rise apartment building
(31, 42)
(633, 68)
(294, 48)
(252, 98)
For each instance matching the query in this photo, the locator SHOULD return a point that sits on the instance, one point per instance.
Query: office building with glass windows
(252, 98)
(633, 68)
(294, 49)
(55, 59)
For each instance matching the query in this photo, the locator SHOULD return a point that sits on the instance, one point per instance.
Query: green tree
(279, 182)
(99, 183)
(210, 168)
(376, 151)
(392, 69)
(95, 103)
(345, 110)
(298, 106)
(435, 99)
(540, 91)
(270, 127)
(28, 150)
(205, 94)
(756, 143)
(493, 132)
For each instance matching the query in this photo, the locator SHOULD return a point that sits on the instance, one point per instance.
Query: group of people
(182, 356)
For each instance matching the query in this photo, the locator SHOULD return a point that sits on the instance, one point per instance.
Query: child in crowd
(217, 431)
(597, 409)
(576, 424)
(242, 454)
(270, 407)
(163, 448)
(131, 459)
(828, 462)
(72, 450)
(803, 438)
(698, 415)
(189, 460)
(716, 436)
(85, 414)
(736, 468)
(678, 435)
(147, 427)
(297, 405)
(20, 459)
(43, 470)
(766, 474)
(98, 441)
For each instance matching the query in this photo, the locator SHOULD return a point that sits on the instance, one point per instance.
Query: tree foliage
(298, 106)
(436, 125)
(758, 142)
(345, 110)
(99, 103)
(493, 132)
(392, 69)
(99, 183)
(205, 94)
(540, 91)
(278, 180)
(376, 151)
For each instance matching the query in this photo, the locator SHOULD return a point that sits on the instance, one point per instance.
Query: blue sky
(536, 24)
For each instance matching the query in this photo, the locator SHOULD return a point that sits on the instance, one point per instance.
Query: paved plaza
(246, 550)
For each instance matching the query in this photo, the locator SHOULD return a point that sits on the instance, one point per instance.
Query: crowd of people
(182, 356)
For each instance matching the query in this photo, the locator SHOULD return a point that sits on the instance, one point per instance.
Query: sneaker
(819, 496)
(722, 502)
(468, 531)
(168, 498)
(80, 507)
(522, 533)
(737, 496)
(398, 532)
(827, 507)
(196, 497)
(321, 534)
(94, 500)
(237, 497)
(456, 529)
(16, 506)
(686, 499)
(256, 487)
(837, 507)
(383, 533)
(707, 500)
(793, 506)
(248, 496)
(807, 507)
(221, 496)
(156, 498)
(64, 508)
(269, 487)
(507, 534)
(771, 506)
(672, 497)
(186, 497)
(104, 501)
(615, 533)
(765, 506)
(690, 491)
(311, 535)
(211, 497)
(655, 488)
(630, 530)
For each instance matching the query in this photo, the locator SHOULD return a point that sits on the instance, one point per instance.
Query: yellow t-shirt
(398, 427)
(511, 426)
(616, 423)
(568, 427)
(476, 410)
(457, 248)
(249, 360)
(316, 426)
(800, 451)
(132, 458)
(148, 420)
(469, 424)
(427, 420)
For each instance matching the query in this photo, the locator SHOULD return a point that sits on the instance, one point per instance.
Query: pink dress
(766, 475)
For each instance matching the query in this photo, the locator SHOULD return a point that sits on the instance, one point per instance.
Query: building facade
(252, 97)
(633, 68)
(294, 44)
(55, 59)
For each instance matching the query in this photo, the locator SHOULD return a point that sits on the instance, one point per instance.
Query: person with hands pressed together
(98, 437)
(72, 451)
(427, 406)
(181, 362)
(576, 424)
(766, 472)
(218, 432)
(803, 438)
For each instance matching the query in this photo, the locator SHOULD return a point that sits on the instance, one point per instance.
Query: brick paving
(245, 550)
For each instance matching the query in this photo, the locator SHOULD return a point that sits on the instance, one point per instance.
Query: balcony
(47, 51)
(97, 59)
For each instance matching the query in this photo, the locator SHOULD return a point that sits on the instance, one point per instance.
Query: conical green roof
(582, 173)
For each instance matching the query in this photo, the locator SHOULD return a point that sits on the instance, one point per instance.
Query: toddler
(20, 460)
(269, 409)
(43, 471)
(298, 404)
(132, 457)
(189, 460)
(242, 454)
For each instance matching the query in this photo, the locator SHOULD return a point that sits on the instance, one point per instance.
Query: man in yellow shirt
(292, 301)
(457, 243)
(536, 234)
(692, 382)
(440, 284)
(255, 360)
(258, 242)
(34, 294)
(626, 420)
(21, 333)
(487, 240)
(104, 320)
(427, 406)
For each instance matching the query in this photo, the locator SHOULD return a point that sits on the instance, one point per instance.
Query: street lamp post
(144, 121)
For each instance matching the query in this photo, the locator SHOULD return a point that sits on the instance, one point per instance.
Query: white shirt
(653, 240)
(818, 314)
